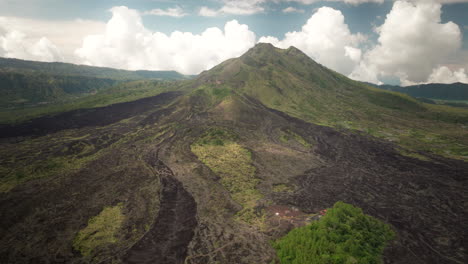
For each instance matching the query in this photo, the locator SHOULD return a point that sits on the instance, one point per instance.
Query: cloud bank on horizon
(413, 45)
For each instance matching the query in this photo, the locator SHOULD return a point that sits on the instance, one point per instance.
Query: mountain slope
(289, 81)
(198, 176)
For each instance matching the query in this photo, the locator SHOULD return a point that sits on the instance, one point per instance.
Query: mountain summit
(264, 61)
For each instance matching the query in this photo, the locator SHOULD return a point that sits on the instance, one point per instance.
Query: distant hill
(30, 83)
(24, 89)
(455, 91)
(60, 68)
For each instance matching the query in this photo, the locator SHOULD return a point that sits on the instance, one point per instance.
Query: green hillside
(59, 68)
(289, 81)
(35, 88)
(31, 89)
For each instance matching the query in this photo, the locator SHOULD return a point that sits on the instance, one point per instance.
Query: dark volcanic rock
(166, 242)
(423, 200)
(85, 117)
(71, 166)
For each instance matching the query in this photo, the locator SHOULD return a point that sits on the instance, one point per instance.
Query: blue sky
(263, 18)
(360, 18)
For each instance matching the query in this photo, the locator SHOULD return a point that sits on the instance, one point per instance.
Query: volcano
(198, 174)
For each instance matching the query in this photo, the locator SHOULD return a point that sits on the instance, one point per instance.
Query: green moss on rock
(101, 230)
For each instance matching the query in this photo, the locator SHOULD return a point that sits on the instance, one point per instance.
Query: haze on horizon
(400, 42)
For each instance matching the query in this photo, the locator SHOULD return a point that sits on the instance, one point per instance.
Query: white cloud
(66, 34)
(353, 53)
(443, 74)
(352, 2)
(327, 39)
(235, 7)
(208, 12)
(173, 12)
(439, 1)
(250, 7)
(292, 10)
(357, 2)
(16, 44)
(126, 43)
(412, 42)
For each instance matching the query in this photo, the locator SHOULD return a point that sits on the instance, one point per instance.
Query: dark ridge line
(89, 117)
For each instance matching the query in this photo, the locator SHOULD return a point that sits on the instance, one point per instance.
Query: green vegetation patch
(29, 163)
(218, 150)
(289, 135)
(344, 235)
(101, 230)
(213, 95)
(40, 169)
(412, 154)
(282, 188)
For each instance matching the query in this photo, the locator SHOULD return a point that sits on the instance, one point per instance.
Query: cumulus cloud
(127, 44)
(412, 42)
(292, 10)
(443, 74)
(66, 35)
(173, 12)
(327, 39)
(16, 44)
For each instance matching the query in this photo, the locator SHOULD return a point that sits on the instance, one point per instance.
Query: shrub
(343, 235)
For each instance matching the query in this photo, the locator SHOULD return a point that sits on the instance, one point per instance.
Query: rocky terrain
(197, 176)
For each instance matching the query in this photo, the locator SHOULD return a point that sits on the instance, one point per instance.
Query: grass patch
(101, 230)
(40, 169)
(343, 235)
(233, 163)
(27, 161)
(411, 154)
(212, 95)
(288, 135)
